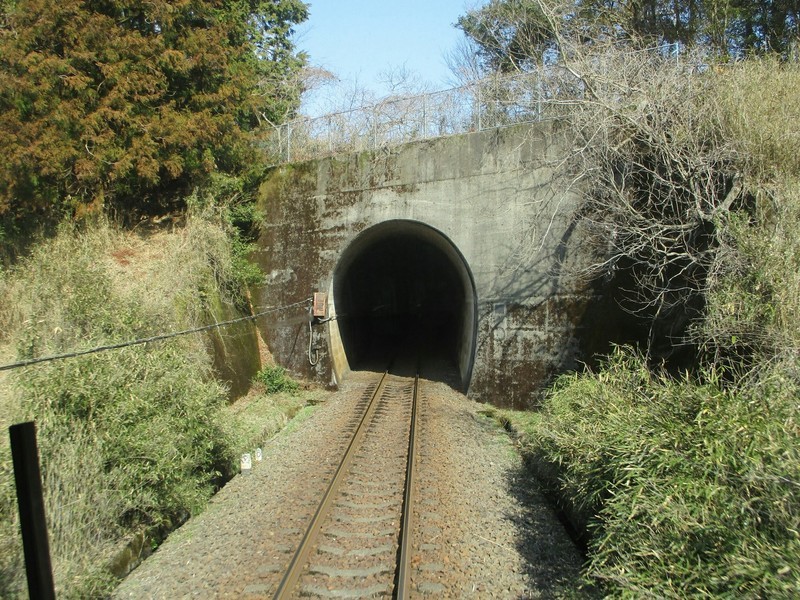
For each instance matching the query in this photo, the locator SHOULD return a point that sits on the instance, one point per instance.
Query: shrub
(692, 489)
(275, 380)
(226, 202)
(754, 282)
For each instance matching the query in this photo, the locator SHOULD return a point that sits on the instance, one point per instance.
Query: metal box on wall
(319, 309)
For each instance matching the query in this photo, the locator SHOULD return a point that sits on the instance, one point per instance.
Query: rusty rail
(287, 586)
(403, 587)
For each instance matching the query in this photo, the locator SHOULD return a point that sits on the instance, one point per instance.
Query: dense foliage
(131, 439)
(133, 103)
(689, 488)
(125, 109)
(509, 35)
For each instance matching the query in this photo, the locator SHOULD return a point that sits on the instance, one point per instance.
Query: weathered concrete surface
(493, 196)
(235, 352)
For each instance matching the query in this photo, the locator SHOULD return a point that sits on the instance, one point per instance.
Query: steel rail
(403, 586)
(300, 558)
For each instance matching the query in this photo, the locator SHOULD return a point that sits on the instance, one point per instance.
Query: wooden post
(31, 510)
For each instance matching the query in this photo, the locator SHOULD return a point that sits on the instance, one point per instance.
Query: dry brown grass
(759, 103)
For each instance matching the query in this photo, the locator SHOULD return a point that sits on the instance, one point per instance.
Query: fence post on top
(424, 116)
(30, 499)
(289, 142)
(478, 96)
(539, 94)
(375, 127)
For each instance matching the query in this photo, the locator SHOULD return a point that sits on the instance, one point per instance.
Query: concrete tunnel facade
(468, 239)
(403, 287)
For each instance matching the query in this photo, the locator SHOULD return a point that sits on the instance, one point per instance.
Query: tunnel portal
(402, 290)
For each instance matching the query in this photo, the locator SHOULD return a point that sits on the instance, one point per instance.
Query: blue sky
(357, 40)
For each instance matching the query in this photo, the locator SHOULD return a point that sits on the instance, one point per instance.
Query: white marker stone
(247, 463)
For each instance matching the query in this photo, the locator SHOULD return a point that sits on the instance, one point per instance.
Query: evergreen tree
(508, 35)
(132, 102)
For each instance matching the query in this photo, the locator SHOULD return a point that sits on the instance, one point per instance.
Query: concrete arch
(402, 285)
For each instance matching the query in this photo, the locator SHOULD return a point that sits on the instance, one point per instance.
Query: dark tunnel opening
(402, 292)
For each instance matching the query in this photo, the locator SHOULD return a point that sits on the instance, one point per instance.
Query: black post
(31, 510)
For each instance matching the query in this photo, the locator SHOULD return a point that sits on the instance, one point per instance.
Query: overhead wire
(155, 338)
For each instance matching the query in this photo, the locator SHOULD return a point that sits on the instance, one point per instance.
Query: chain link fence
(496, 101)
(493, 102)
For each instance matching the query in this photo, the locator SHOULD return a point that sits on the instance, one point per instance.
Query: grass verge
(259, 416)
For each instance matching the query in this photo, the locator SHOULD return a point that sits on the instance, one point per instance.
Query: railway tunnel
(402, 290)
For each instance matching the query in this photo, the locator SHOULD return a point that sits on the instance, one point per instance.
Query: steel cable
(155, 338)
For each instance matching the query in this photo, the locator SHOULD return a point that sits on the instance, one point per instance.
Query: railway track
(357, 544)
(471, 535)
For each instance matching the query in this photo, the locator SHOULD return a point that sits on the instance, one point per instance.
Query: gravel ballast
(481, 528)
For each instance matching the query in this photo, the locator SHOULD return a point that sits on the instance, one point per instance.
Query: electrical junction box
(319, 309)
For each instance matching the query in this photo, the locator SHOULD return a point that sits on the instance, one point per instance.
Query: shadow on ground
(552, 557)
